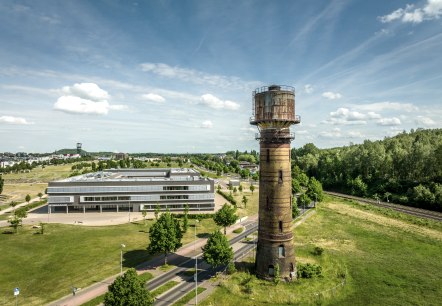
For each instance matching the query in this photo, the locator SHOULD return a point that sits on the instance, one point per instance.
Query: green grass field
(45, 267)
(387, 261)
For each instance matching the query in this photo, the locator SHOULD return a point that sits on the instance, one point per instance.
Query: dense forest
(405, 169)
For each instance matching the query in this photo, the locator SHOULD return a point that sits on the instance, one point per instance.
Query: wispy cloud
(427, 121)
(332, 95)
(333, 133)
(14, 120)
(431, 10)
(198, 77)
(153, 97)
(308, 88)
(381, 106)
(389, 121)
(207, 124)
(216, 103)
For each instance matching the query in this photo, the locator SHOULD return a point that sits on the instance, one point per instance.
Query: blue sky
(178, 76)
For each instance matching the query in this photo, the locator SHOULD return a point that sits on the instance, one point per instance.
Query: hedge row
(228, 197)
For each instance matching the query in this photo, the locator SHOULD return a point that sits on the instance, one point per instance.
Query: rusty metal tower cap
(274, 87)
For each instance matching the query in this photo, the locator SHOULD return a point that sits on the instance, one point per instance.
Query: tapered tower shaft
(274, 112)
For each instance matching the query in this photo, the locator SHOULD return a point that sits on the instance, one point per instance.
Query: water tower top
(274, 105)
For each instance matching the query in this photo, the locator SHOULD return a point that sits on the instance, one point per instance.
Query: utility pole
(196, 267)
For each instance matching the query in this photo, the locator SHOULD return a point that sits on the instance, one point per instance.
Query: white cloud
(389, 121)
(216, 103)
(88, 91)
(198, 77)
(431, 10)
(14, 120)
(345, 116)
(355, 134)
(153, 97)
(308, 88)
(207, 124)
(424, 120)
(303, 132)
(380, 106)
(334, 133)
(85, 98)
(77, 105)
(345, 113)
(332, 95)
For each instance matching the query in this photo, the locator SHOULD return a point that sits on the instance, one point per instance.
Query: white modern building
(134, 190)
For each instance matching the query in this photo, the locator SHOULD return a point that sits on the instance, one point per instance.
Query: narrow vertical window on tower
(281, 251)
(268, 155)
(280, 226)
(280, 177)
(268, 203)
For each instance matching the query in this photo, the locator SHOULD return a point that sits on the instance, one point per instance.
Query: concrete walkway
(9, 209)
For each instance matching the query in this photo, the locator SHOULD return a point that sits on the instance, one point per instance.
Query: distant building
(134, 189)
(119, 156)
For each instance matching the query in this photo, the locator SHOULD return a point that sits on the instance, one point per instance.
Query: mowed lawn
(46, 267)
(387, 261)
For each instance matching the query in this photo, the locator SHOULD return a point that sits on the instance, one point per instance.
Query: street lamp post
(196, 266)
(121, 258)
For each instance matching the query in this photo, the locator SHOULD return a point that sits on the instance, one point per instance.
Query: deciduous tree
(128, 289)
(217, 250)
(225, 216)
(165, 235)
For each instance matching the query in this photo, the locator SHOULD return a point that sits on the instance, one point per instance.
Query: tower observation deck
(273, 114)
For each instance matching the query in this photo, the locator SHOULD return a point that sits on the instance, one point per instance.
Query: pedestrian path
(184, 253)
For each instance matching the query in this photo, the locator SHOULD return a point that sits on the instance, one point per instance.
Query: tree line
(404, 169)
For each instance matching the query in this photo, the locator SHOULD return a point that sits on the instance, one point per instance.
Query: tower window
(268, 155)
(271, 270)
(280, 226)
(280, 177)
(281, 251)
(268, 203)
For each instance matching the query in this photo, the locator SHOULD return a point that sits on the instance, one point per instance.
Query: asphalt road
(187, 286)
(251, 227)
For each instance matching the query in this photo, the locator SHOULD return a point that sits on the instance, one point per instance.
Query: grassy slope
(45, 267)
(388, 262)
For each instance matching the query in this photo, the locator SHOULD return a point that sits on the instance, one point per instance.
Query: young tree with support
(17, 219)
(244, 201)
(165, 235)
(217, 251)
(225, 216)
(252, 188)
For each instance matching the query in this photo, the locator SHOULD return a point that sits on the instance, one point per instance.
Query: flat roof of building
(149, 174)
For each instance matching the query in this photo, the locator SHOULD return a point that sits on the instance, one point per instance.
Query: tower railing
(277, 135)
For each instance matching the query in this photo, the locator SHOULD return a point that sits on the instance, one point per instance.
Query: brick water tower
(274, 113)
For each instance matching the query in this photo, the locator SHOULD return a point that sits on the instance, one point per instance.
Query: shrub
(318, 251)
(308, 270)
(231, 268)
(228, 197)
(238, 230)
